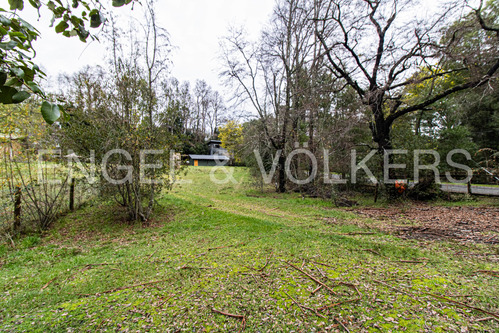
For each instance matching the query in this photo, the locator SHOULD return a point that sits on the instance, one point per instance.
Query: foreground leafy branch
(19, 74)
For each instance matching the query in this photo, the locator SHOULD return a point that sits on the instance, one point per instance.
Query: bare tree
(269, 75)
(378, 47)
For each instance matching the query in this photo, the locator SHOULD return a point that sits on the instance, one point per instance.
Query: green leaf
(13, 82)
(16, 4)
(82, 33)
(35, 88)
(95, 19)
(17, 34)
(51, 5)
(61, 26)
(20, 96)
(8, 46)
(36, 3)
(119, 3)
(6, 94)
(50, 112)
(29, 74)
(17, 72)
(5, 21)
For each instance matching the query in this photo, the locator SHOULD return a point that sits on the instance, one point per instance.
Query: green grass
(227, 247)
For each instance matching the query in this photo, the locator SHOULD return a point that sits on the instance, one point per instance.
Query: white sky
(195, 27)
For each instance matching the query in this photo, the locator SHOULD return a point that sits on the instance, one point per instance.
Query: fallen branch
(265, 265)
(312, 278)
(336, 304)
(399, 290)
(323, 264)
(372, 251)
(302, 307)
(166, 300)
(343, 326)
(149, 257)
(350, 285)
(357, 233)
(464, 305)
(228, 314)
(320, 271)
(242, 317)
(47, 284)
(411, 261)
(296, 303)
(316, 290)
(259, 269)
(492, 273)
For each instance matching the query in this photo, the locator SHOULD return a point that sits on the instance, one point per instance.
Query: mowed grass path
(225, 257)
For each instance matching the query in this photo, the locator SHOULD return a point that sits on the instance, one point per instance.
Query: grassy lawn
(227, 257)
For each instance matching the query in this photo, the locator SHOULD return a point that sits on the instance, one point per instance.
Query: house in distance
(218, 156)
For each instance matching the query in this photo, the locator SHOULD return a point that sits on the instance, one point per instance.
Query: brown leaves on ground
(421, 221)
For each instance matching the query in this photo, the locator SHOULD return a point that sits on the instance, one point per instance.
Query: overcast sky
(195, 27)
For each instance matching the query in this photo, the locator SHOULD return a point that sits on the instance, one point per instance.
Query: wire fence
(29, 204)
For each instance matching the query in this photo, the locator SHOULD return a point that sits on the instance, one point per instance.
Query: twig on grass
(242, 317)
(302, 307)
(152, 254)
(357, 233)
(372, 251)
(343, 326)
(350, 285)
(316, 290)
(492, 273)
(47, 284)
(485, 319)
(166, 300)
(296, 303)
(399, 290)
(322, 264)
(312, 278)
(320, 271)
(265, 265)
(464, 305)
(259, 269)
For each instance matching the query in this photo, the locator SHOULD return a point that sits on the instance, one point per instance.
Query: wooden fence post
(469, 188)
(72, 194)
(17, 209)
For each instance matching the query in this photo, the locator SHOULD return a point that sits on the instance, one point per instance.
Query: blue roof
(209, 157)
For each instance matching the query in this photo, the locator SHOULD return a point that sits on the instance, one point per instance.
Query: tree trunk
(281, 174)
